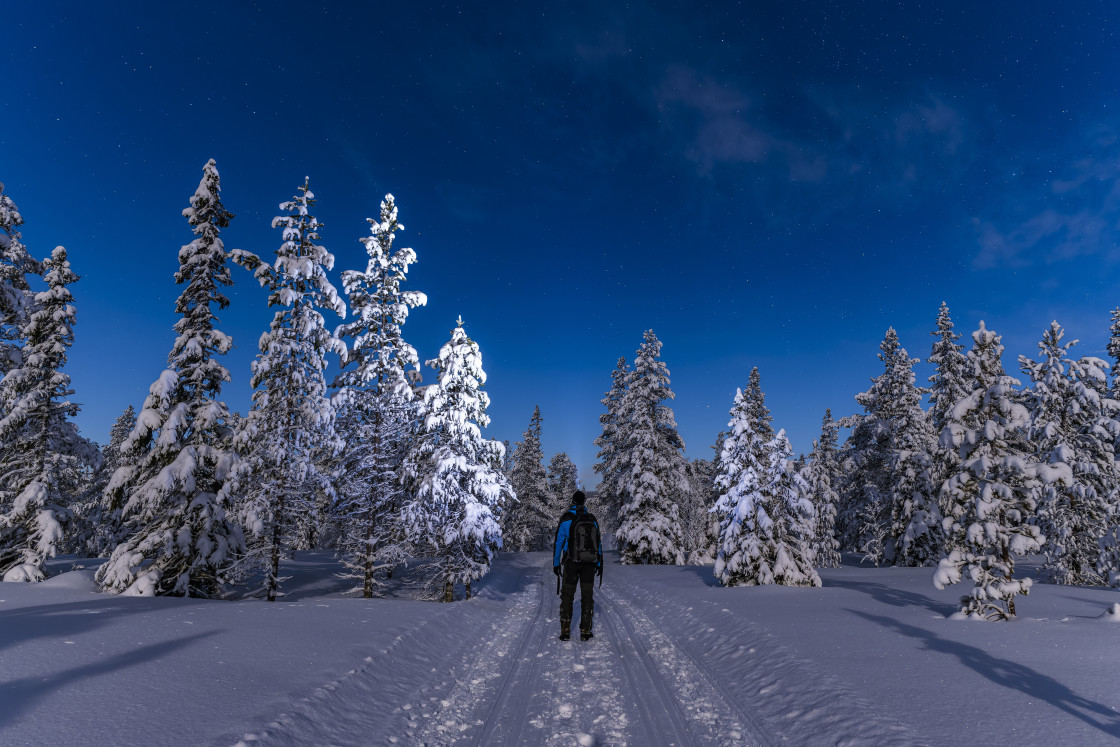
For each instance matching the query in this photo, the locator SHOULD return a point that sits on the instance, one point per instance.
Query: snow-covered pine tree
(291, 423)
(1072, 428)
(460, 490)
(16, 297)
(889, 507)
(528, 523)
(740, 469)
(915, 532)
(609, 464)
(822, 474)
(950, 380)
(992, 497)
(948, 385)
(106, 524)
(759, 414)
(699, 526)
(41, 452)
(1114, 351)
(768, 519)
(174, 483)
(376, 403)
(563, 479)
(654, 476)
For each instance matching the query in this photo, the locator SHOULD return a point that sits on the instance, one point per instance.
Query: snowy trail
(492, 672)
(711, 717)
(777, 696)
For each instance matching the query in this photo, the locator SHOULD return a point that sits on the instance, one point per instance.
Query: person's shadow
(1011, 675)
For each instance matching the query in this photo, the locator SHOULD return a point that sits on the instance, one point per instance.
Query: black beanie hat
(579, 498)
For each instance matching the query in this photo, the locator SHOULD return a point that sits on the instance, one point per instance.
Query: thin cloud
(1076, 214)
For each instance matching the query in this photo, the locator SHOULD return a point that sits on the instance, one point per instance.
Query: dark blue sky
(765, 184)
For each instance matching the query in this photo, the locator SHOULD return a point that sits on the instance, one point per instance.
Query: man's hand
(556, 569)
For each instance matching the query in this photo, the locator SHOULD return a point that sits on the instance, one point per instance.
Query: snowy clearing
(870, 658)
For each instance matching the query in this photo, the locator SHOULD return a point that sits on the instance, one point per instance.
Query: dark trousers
(584, 575)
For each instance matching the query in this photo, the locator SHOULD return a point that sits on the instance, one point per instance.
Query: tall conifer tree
(991, 500)
(823, 473)
(654, 476)
(291, 424)
(175, 483)
(609, 464)
(1072, 429)
(459, 489)
(376, 402)
(528, 522)
(40, 449)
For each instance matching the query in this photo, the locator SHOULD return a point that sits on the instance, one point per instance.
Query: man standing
(577, 558)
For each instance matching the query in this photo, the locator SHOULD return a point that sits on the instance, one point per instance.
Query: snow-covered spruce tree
(889, 509)
(740, 469)
(654, 476)
(376, 404)
(16, 297)
(609, 464)
(1114, 351)
(41, 452)
(105, 520)
(528, 522)
(291, 423)
(459, 489)
(822, 474)
(992, 499)
(174, 482)
(767, 528)
(563, 480)
(1072, 428)
(699, 526)
(915, 532)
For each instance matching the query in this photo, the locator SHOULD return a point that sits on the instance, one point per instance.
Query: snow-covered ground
(676, 660)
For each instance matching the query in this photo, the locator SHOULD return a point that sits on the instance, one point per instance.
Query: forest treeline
(190, 498)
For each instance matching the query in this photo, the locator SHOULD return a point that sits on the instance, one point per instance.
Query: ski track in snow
(747, 665)
(633, 684)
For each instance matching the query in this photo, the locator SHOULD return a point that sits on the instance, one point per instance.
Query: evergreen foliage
(105, 517)
(992, 498)
(41, 453)
(459, 489)
(528, 523)
(767, 519)
(377, 407)
(1073, 429)
(822, 475)
(174, 483)
(291, 424)
(654, 479)
(16, 298)
(563, 479)
(609, 458)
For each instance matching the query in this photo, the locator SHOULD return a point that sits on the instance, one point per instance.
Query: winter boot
(565, 630)
(586, 635)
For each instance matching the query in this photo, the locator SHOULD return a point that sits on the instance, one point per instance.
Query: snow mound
(76, 580)
(1112, 614)
(22, 573)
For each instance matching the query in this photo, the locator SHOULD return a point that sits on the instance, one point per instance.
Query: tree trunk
(272, 581)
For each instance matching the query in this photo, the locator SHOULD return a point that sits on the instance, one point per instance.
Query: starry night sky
(762, 184)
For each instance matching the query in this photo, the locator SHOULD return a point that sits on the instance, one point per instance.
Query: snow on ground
(870, 658)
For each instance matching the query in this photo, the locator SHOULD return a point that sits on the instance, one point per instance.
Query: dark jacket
(560, 544)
